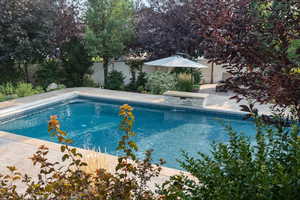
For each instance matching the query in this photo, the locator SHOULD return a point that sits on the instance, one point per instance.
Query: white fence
(98, 75)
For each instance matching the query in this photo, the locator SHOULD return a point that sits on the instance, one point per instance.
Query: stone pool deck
(15, 150)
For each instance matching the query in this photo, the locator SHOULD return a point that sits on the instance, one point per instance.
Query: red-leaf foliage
(251, 38)
(164, 28)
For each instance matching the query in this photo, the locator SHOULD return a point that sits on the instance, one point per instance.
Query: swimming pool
(93, 123)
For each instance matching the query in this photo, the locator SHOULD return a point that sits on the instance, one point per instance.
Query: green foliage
(88, 82)
(135, 65)
(26, 89)
(115, 80)
(158, 82)
(141, 80)
(2, 97)
(196, 73)
(109, 29)
(241, 169)
(197, 76)
(129, 181)
(12, 72)
(7, 89)
(294, 52)
(184, 82)
(76, 62)
(49, 72)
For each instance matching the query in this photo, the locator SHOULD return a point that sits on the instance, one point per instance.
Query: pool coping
(17, 109)
(67, 94)
(55, 147)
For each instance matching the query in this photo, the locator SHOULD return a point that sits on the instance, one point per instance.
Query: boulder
(52, 86)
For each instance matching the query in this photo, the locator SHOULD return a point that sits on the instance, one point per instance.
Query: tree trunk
(26, 72)
(212, 73)
(105, 68)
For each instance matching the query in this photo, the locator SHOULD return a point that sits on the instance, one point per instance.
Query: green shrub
(49, 72)
(141, 80)
(158, 82)
(26, 89)
(88, 82)
(7, 89)
(184, 82)
(115, 80)
(243, 169)
(2, 97)
(197, 76)
(196, 73)
(76, 62)
(12, 72)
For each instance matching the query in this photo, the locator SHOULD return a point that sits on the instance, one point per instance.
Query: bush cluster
(21, 89)
(158, 82)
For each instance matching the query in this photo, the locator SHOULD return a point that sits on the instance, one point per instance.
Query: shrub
(141, 80)
(11, 72)
(2, 97)
(7, 89)
(242, 169)
(129, 181)
(197, 76)
(26, 89)
(184, 82)
(76, 62)
(196, 73)
(115, 80)
(48, 72)
(158, 82)
(89, 82)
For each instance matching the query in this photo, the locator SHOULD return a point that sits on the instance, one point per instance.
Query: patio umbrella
(175, 61)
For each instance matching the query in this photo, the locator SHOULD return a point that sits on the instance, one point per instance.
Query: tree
(76, 62)
(109, 29)
(256, 41)
(25, 31)
(164, 28)
(31, 31)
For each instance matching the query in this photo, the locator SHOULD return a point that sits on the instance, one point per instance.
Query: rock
(52, 86)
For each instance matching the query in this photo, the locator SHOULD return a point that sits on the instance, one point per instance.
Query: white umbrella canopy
(175, 61)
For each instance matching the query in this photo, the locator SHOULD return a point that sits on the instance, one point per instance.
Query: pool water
(93, 124)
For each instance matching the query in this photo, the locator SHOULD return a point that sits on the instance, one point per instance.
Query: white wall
(98, 75)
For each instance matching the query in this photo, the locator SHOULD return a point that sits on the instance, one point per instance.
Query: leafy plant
(294, 51)
(158, 82)
(107, 38)
(89, 82)
(7, 88)
(242, 169)
(258, 44)
(49, 72)
(115, 80)
(141, 80)
(26, 89)
(76, 62)
(2, 97)
(184, 82)
(129, 181)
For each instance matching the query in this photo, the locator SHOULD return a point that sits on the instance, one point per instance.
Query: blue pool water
(94, 124)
